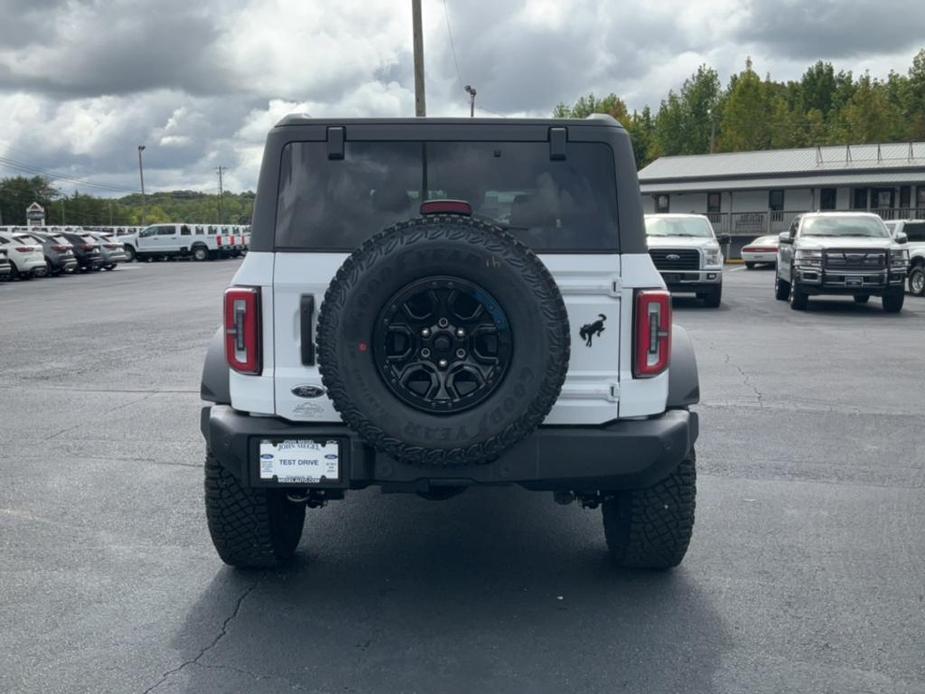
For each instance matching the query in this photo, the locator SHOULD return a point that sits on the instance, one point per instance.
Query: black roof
(597, 119)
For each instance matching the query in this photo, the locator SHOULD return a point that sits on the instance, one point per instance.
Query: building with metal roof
(748, 193)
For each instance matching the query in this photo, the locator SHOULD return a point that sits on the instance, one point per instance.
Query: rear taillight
(242, 329)
(652, 336)
(218, 240)
(24, 249)
(59, 248)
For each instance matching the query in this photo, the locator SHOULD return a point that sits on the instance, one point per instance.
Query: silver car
(112, 250)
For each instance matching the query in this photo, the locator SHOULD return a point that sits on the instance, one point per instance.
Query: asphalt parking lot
(805, 573)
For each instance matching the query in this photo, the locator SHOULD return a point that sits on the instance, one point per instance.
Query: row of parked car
(27, 252)
(848, 253)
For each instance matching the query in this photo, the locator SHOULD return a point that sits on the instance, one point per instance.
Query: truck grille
(855, 260)
(675, 258)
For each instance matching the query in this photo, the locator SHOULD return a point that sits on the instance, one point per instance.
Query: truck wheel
(917, 280)
(781, 288)
(129, 254)
(651, 528)
(893, 301)
(250, 528)
(861, 298)
(200, 254)
(750, 265)
(799, 300)
(443, 341)
(712, 298)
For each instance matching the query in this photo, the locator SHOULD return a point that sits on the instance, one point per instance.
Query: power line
(449, 31)
(22, 167)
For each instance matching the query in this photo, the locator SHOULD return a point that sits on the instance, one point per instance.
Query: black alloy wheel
(442, 344)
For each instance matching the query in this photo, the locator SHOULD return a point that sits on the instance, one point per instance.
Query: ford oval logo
(266, 456)
(672, 256)
(308, 391)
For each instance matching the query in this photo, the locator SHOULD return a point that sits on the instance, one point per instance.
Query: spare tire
(443, 341)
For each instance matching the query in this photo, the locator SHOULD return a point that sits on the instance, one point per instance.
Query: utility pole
(470, 90)
(420, 108)
(712, 128)
(221, 195)
(141, 174)
(110, 212)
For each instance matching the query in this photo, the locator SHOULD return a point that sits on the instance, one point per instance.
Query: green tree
(18, 192)
(869, 116)
(745, 123)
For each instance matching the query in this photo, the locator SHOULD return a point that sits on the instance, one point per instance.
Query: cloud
(83, 82)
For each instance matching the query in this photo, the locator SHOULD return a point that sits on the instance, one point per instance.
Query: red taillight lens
(242, 329)
(652, 337)
(218, 240)
(24, 249)
(446, 207)
(59, 247)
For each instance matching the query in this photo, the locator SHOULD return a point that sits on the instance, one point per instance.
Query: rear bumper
(618, 455)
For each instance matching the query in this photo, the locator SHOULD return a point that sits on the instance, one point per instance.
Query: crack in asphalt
(745, 378)
(255, 675)
(221, 634)
(102, 414)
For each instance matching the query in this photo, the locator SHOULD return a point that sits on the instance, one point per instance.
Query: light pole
(141, 175)
(470, 90)
(420, 109)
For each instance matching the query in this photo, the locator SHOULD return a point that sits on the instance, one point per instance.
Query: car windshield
(864, 227)
(679, 226)
(763, 241)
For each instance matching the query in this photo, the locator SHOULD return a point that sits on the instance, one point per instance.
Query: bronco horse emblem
(589, 330)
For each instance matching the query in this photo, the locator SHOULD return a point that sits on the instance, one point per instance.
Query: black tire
(130, 254)
(917, 280)
(49, 269)
(861, 298)
(651, 528)
(200, 254)
(799, 299)
(109, 267)
(449, 248)
(781, 288)
(750, 266)
(250, 528)
(893, 301)
(712, 298)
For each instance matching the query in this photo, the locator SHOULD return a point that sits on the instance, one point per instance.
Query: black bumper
(617, 455)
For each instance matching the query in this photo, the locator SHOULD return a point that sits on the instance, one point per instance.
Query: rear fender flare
(215, 373)
(683, 380)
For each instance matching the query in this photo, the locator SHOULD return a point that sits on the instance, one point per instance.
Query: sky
(199, 83)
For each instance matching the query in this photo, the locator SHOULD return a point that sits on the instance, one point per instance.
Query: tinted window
(915, 231)
(166, 231)
(184, 230)
(335, 205)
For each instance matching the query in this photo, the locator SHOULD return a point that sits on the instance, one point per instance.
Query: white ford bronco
(849, 253)
(686, 251)
(433, 304)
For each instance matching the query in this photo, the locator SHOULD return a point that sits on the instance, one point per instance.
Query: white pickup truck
(196, 241)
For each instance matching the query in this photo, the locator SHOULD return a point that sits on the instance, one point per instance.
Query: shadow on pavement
(496, 590)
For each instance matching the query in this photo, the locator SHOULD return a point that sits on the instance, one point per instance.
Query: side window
(184, 230)
(150, 231)
(199, 231)
(915, 231)
(166, 230)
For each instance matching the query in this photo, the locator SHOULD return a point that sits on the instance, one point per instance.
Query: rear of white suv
(404, 317)
(25, 255)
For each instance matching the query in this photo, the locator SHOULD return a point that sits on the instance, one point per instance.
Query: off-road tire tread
(651, 528)
(250, 527)
(467, 230)
(781, 288)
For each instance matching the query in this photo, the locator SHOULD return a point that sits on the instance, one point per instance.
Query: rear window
(552, 206)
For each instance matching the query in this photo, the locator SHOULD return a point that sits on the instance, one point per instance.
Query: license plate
(299, 461)
(853, 281)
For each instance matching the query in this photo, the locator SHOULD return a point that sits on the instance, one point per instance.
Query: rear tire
(917, 280)
(200, 254)
(861, 298)
(651, 528)
(781, 288)
(250, 528)
(750, 266)
(893, 301)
